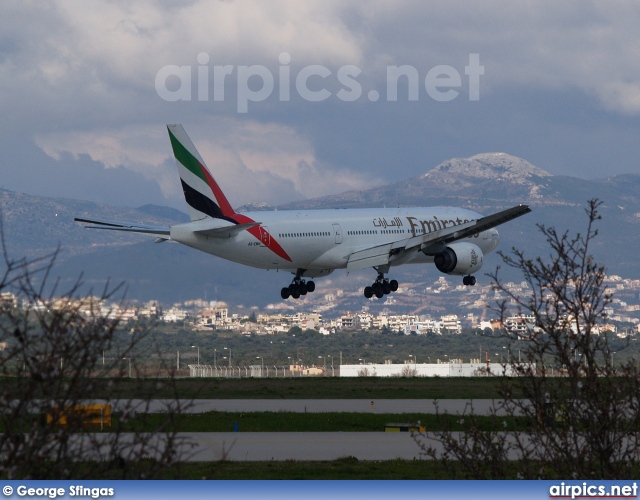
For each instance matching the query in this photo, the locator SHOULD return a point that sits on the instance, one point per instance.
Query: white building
(214, 318)
(451, 323)
(174, 314)
(451, 369)
(150, 309)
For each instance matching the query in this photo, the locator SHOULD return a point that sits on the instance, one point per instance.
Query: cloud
(544, 45)
(80, 77)
(252, 161)
(92, 49)
(276, 150)
(138, 148)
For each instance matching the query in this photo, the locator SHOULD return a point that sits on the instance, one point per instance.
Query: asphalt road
(454, 406)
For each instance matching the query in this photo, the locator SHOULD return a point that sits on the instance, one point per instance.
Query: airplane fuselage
(313, 243)
(323, 240)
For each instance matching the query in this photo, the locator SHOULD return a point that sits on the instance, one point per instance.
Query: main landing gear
(298, 287)
(469, 280)
(381, 287)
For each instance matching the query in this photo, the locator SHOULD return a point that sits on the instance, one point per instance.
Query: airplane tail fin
(203, 195)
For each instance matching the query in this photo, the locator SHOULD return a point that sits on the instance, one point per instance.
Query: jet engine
(460, 259)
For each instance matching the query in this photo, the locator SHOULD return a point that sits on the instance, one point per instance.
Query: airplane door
(265, 237)
(338, 232)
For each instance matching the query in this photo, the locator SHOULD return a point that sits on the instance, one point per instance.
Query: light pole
(229, 356)
(508, 354)
(129, 366)
(196, 347)
(324, 364)
(215, 364)
(332, 372)
(429, 358)
(262, 364)
(363, 361)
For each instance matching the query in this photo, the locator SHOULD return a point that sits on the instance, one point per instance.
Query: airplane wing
(160, 232)
(431, 243)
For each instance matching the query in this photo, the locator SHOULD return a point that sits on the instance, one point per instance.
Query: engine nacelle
(460, 259)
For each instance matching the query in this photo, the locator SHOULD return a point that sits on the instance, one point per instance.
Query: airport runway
(278, 446)
(261, 446)
(257, 446)
(267, 446)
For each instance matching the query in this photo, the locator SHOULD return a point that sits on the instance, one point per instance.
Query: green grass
(289, 388)
(292, 422)
(342, 468)
(314, 422)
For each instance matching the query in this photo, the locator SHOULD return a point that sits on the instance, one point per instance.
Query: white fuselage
(323, 240)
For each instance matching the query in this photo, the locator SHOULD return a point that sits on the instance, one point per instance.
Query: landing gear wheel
(472, 280)
(465, 280)
(298, 287)
(381, 287)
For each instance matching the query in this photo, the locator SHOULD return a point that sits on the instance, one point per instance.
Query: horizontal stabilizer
(131, 227)
(226, 231)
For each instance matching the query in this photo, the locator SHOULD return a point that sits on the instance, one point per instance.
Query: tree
(54, 365)
(295, 330)
(577, 415)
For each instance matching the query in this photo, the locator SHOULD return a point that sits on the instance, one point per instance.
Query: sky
(287, 100)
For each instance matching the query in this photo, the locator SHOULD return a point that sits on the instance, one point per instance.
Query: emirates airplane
(313, 243)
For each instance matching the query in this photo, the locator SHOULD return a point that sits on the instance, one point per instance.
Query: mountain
(483, 181)
(169, 272)
(34, 226)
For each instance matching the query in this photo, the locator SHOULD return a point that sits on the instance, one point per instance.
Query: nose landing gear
(469, 280)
